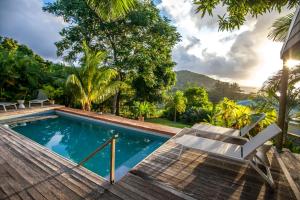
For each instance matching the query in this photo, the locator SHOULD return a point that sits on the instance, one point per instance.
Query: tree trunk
(282, 105)
(87, 106)
(175, 115)
(118, 104)
(286, 127)
(114, 104)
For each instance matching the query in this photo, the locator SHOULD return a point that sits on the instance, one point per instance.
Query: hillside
(185, 77)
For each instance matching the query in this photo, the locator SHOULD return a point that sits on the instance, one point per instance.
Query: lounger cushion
(211, 146)
(7, 104)
(38, 101)
(217, 129)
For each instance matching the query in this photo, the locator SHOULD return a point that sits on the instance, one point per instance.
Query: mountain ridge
(186, 77)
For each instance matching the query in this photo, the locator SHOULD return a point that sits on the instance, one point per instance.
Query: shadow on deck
(199, 176)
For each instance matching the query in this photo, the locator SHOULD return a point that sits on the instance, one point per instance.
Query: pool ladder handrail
(111, 141)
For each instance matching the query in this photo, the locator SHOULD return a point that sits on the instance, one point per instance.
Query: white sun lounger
(242, 153)
(41, 98)
(5, 104)
(228, 131)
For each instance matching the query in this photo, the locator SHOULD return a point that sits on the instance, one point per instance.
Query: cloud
(238, 55)
(192, 42)
(24, 21)
(228, 38)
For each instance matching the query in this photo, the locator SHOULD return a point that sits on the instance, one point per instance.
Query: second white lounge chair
(218, 130)
(5, 104)
(41, 98)
(242, 153)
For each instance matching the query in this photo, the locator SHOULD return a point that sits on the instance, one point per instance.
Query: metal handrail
(111, 141)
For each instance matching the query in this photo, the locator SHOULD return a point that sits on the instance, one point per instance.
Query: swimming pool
(75, 137)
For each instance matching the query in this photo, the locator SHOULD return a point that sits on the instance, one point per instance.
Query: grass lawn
(167, 122)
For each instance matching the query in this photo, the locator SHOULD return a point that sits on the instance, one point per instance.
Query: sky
(245, 56)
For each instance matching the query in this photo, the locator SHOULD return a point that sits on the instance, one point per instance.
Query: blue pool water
(75, 138)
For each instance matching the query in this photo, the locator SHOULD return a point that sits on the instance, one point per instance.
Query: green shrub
(52, 92)
(195, 115)
(143, 109)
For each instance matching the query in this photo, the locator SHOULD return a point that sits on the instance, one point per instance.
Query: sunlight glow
(292, 63)
(269, 64)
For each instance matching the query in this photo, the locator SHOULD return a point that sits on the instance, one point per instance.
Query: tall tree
(197, 97)
(238, 10)
(138, 45)
(179, 103)
(92, 83)
(225, 89)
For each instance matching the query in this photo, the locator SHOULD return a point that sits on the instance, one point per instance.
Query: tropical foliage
(177, 103)
(197, 97)
(124, 51)
(23, 72)
(143, 109)
(228, 113)
(225, 89)
(271, 90)
(237, 11)
(92, 83)
(138, 46)
(51, 92)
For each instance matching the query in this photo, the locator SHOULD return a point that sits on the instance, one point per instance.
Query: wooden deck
(292, 162)
(30, 171)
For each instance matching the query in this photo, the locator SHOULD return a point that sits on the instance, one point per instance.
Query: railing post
(112, 159)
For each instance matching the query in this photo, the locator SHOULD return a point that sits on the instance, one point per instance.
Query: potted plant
(21, 98)
(142, 110)
(52, 93)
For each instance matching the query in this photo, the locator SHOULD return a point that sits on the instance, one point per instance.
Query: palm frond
(107, 91)
(75, 87)
(280, 28)
(111, 9)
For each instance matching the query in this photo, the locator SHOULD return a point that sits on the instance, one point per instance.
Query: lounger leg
(29, 105)
(4, 108)
(15, 107)
(42, 104)
(181, 150)
(267, 177)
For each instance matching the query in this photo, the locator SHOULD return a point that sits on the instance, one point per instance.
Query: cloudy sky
(245, 56)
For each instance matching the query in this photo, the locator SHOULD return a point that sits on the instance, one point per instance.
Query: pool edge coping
(102, 117)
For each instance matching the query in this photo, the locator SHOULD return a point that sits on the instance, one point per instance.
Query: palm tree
(111, 9)
(280, 28)
(92, 83)
(271, 89)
